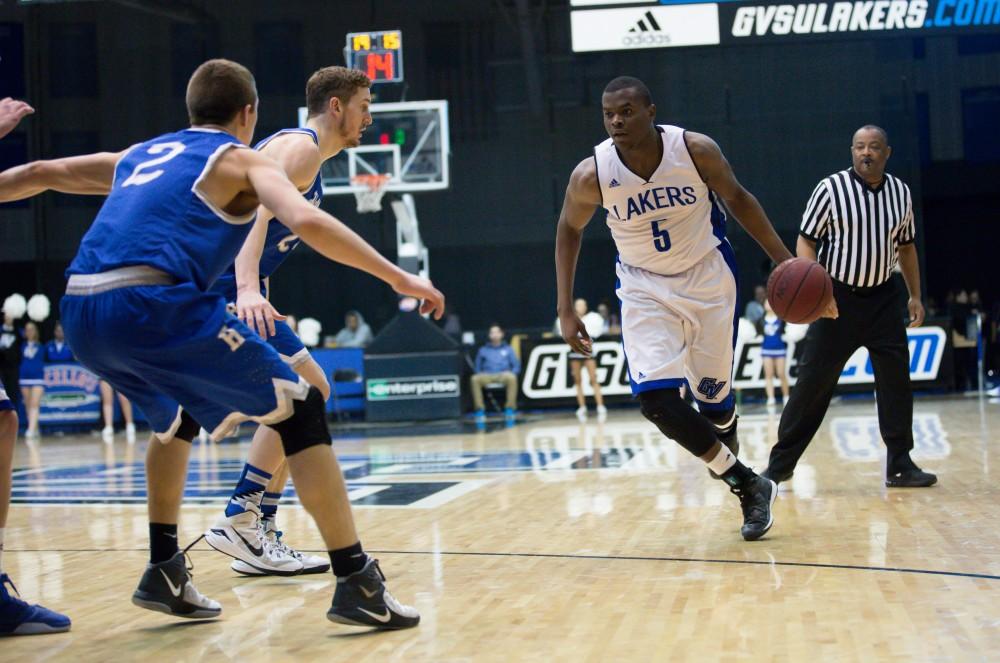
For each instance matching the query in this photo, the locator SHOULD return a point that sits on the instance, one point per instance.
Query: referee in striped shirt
(861, 222)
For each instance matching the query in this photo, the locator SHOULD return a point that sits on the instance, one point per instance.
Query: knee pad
(307, 425)
(188, 429)
(677, 420)
(723, 420)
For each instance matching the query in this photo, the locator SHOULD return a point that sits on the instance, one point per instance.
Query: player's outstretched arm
(583, 194)
(11, 113)
(329, 236)
(719, 177)
(91, 174)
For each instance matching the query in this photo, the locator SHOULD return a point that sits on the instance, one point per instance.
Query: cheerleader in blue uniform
(774, 350)
(32, 377)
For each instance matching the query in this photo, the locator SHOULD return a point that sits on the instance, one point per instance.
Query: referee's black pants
(871, 318)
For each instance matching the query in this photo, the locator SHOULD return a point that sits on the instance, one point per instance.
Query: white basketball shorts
(681, 328)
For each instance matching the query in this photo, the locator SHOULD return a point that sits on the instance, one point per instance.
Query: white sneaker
(272, 538)
(581, 413)
(602, 413)
(130, 433)
(240, 536)
(108, 434)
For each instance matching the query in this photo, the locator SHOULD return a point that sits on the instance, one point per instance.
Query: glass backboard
(407, 140)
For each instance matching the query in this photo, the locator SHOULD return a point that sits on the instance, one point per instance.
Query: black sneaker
(363, 600)
(911, 478)
(167, 587)
(775, 476)
(733, 443)
(756, 498)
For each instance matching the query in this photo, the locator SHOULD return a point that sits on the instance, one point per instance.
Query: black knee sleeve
(724, 421)
(188, 429)
(307, 425)
(678, 420)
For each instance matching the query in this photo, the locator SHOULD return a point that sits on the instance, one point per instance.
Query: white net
(369, 196)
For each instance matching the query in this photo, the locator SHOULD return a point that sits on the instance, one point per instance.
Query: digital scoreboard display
(378, 54)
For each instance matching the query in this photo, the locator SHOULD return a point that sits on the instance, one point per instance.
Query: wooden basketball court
(550, 541)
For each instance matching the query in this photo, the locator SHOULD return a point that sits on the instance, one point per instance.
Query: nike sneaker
(241, 537)
(272, 539)
(362, 599)
(757, 497)
(20, 618)
(167, 587)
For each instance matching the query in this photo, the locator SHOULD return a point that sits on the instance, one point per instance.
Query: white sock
(2, 530)
(722, 461)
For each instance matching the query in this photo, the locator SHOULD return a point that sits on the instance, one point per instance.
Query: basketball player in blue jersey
(661, 187)
(16, 616)
(337, 99)
(137, 312)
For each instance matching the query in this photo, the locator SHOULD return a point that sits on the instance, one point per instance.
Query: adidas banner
(690, 23)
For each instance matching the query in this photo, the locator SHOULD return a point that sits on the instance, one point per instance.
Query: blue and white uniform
(137, 310)
(58, 353)
(676, 273)
(32, 372)
(774, 345)
(277, 246)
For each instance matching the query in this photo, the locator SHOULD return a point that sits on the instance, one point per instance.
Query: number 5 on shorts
(661, 237)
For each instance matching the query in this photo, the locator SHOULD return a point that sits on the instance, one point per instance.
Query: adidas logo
(646, 24)
(613, 183)
(646, 32)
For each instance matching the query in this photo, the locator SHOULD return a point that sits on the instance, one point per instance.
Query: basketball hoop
(369, 196)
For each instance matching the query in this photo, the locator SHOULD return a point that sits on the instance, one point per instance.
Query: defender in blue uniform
(16, 616)
(336, 98)
(138, 312)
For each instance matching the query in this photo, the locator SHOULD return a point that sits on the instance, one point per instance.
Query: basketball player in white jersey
(676, 277)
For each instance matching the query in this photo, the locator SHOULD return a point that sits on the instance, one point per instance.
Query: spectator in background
(56, 350)
(773, 351)
(612, 320)
(356, 332)
(596, 327)
(963, 341)
(755, 308)
(495, 362)
(32, 377)
(108, 413)
(10, 356)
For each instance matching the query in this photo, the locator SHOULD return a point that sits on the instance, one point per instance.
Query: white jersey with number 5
(664, 225)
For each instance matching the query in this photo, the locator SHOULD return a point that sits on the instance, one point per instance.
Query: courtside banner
(628, 28)
(547, 378)
(72, 395)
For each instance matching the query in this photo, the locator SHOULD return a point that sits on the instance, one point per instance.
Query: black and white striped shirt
(857, 228)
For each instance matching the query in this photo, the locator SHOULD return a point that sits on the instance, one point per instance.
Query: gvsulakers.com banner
(648, 24)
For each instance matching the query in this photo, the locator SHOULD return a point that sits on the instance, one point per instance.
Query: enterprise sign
(650, 24)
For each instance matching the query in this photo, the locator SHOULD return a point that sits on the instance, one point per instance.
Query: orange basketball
(799, 290)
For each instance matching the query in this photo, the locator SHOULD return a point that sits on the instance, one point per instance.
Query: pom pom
(39, 308)
(15, 306)
(746, 330)
(795, 333)
(309, 330)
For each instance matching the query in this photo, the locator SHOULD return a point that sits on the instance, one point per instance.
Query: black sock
(348, 561)
(162, 542)
(738, 474)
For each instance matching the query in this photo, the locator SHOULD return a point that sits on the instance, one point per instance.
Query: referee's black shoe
(910, 478)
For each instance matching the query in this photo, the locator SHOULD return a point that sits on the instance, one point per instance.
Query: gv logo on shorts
(710, 387)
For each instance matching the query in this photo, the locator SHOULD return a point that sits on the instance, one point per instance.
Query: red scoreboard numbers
(378, 54)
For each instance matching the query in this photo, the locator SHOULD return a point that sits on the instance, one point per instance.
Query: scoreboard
(378, 54)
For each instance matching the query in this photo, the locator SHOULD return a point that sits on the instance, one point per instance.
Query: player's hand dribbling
(12, 112)
(916, 310)
(431, 299)
(831, 310)
(257, 313)
(574, 332)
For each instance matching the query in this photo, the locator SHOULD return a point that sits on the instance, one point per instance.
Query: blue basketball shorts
(168, 347)
(292, 350)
